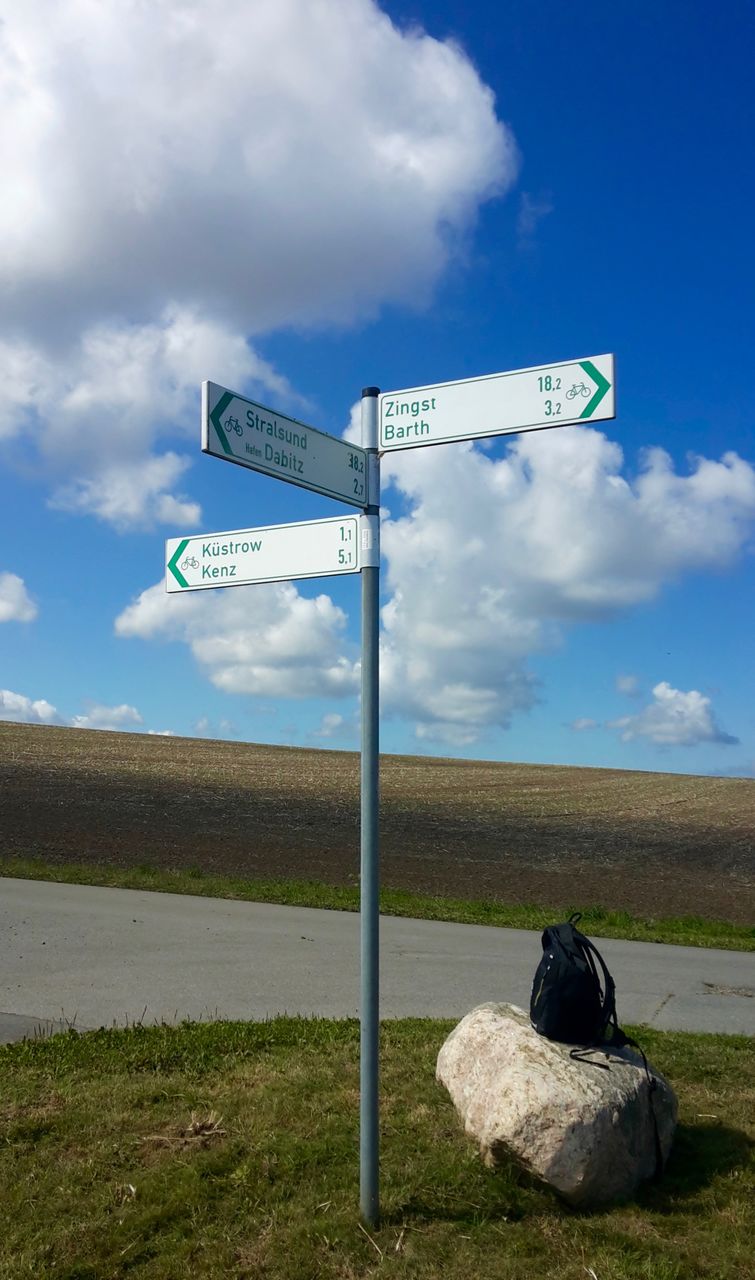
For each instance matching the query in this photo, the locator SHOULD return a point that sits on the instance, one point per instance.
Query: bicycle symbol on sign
(579, 389)
(233, 424)
(190, 562)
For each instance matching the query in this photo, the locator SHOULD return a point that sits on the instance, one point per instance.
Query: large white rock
(585, 1130)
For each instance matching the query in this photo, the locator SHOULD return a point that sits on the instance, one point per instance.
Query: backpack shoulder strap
(608, 1004)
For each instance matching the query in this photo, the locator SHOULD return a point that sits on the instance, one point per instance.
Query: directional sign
(550, 395)
(252, 435)
(274, 553)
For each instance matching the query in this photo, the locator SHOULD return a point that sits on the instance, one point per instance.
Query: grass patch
(693, 931)
(231, 1150)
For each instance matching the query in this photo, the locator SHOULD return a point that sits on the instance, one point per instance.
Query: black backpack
(573, 1003)
(571, 1000)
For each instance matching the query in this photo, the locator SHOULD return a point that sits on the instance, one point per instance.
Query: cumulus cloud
(206, 728)
(492, 559)
(496, 556)
(272, 642)
(490, 562)
(101, 717)
(134, 494)
(674, 719)
(336, 727)
(16, 605)
(172, 187)
(331, 724)
(186, 151)
(94, 414)
(132, 376)
(23, 710)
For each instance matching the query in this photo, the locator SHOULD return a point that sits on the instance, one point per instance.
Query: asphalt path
(89, 957)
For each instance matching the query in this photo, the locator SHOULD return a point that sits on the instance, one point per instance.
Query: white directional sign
(274, 553)
(241, 431)
(550, 395)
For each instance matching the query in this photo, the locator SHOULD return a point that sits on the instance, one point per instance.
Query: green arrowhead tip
(601, 383)
(215, 417)
(173, 562)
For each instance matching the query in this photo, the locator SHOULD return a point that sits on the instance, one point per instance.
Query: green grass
(102, 1176)
(684, 931)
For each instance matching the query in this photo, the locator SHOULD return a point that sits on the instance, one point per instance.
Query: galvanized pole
(369, 1162)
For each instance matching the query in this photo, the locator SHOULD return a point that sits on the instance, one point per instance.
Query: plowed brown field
(651, 843)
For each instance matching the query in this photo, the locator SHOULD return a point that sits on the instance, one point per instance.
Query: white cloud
(628, 685)
(93, 414)
(122, 378)
(276, 164)
(335, 727)
(263, 640)
(178, 177)
(205, 728)
(674, 719)
(23, 710)
(496, 556)
(492, 560)
(134, 494)
(330, 725)
(101, 717)
(583, 723)
(16, 605)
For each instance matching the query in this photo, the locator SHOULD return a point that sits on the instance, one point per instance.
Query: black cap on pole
(370, 391)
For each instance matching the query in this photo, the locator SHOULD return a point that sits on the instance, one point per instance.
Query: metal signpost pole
(254, 436)
(370, 877)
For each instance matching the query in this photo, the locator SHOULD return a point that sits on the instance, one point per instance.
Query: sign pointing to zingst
(549, 395)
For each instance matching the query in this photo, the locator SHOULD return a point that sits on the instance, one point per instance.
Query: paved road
(94, 957)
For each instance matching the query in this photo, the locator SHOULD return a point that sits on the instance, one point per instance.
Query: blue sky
(391, 196)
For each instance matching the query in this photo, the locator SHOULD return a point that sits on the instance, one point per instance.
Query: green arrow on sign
(601, 383)
(173, 562)
(215, 417)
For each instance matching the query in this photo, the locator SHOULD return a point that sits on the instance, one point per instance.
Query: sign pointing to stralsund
(549, 395)
(242, 431)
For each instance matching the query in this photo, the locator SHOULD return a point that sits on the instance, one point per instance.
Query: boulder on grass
(584, 1129)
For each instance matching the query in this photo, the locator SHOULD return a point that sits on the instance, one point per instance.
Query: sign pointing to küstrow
(273, 553)
(242, 431)
(549, 395)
